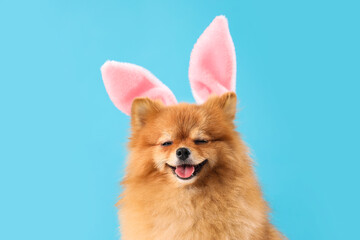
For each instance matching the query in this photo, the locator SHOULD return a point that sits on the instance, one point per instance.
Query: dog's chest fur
(190, 214)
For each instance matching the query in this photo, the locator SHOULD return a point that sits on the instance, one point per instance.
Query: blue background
(62, 142)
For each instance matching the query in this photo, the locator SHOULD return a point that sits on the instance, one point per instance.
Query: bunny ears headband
(212, 70)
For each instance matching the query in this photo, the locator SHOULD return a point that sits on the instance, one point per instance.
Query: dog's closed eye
(200, 141)
(168, 143)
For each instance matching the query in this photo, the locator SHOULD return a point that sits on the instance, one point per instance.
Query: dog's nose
(182, 153)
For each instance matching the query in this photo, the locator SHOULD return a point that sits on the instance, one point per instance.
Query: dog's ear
(142, 109)
(212, 67)
(226, 102)
(124, 82)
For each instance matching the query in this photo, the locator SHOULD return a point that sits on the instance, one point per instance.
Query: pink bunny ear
(213, 62)
(125, 81)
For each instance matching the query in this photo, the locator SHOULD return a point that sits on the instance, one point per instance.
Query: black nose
(182, 153)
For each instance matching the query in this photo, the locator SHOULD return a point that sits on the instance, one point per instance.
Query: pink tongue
(184, 171)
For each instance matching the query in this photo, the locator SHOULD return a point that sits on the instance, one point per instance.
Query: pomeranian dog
(189, 175)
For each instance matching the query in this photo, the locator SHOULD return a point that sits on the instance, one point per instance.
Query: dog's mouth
(187, 171)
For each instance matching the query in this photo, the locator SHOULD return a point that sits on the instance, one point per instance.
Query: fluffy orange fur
(224, 201)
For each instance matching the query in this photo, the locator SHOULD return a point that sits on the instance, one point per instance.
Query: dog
(189, 175)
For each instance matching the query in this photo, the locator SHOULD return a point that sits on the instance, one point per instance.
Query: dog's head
(183, 141)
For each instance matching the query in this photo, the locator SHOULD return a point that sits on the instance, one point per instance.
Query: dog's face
(184, 142)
